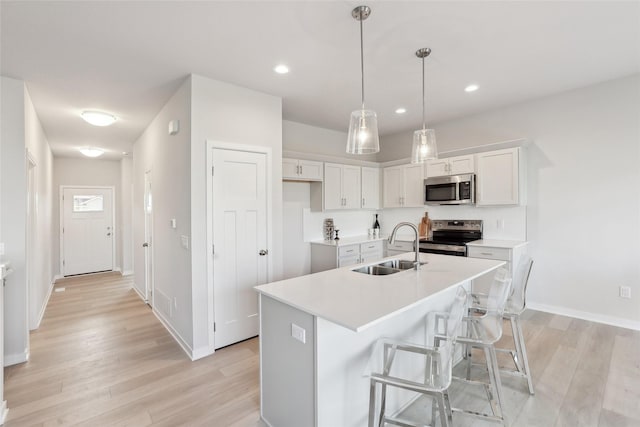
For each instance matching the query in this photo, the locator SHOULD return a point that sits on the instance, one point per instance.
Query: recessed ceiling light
(281, 69)
(98, 118)
(92, 152)
(471, 88)
(401, 110)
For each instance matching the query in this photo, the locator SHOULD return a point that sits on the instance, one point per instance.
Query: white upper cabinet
(370, 188)
(403, 186)
(451, 166)
(341, 186)
(500, 177)
(301, 170)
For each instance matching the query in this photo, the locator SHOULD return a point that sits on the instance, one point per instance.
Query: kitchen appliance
(450, 236)
(450, 190)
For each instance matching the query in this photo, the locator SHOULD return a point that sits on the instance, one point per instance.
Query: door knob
(145, 245)
(263, 252)
(108, 234)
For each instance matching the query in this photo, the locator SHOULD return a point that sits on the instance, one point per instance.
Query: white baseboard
(585, 315)
(16, 358)
(44, 307)
(176, 336)
(57, 277)
(135, 288)
(3, 411)
(127, 273)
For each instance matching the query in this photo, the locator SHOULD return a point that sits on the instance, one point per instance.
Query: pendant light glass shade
(363, 127)
(424, 146)
(363, 133)
(424, 140)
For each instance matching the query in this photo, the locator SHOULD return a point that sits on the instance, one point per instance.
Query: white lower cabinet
(501, 250)
(399, 247)
(326, 256)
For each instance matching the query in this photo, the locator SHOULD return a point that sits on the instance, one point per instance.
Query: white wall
(85, 172)
(13, 192)
(232, 114)
(168, 159)
(40, 263)
(583, 212)
(126, 215)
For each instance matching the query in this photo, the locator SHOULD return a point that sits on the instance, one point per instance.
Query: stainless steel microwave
(450, 190)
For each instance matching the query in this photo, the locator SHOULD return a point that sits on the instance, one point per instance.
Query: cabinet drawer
(348, 260)
(350, 250)
(371, 247)
(400, 245)
(502, 254)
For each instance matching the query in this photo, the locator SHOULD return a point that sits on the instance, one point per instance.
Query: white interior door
(240, 242)
(87, 230)
(148, 240)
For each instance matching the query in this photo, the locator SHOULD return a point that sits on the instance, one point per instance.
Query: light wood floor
(101, 358)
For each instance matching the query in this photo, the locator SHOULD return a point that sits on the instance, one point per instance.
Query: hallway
(101, 357)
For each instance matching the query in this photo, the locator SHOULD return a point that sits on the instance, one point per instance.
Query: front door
(87, 230)
(240, 242)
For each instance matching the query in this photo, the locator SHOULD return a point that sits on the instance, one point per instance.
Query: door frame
(113, 222)
(149, 284)
(267, 151)
(31, 246)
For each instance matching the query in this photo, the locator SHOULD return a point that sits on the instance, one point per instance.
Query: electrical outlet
(298, 333)
(625, 292)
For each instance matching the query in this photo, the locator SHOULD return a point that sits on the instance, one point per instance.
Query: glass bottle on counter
(376, 224)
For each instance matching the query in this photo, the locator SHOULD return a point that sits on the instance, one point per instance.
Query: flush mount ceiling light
(92, 152)
(363, 127)
(471, 88)
(98, 118)
(401, 110)
(281, 69)
(424, 140)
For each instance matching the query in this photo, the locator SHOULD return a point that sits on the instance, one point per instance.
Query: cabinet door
(461, 164)
(370, 188)
(392, 186)
(348, 260)
(439, 167)
(310, 170)
(351, 190)
(497, 179)
(333, 186)
(413, 186)
(289, 169)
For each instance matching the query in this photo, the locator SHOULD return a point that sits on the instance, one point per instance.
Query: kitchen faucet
(392, 239)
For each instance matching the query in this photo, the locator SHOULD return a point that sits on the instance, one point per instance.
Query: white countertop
(351, 240)
(357, 301)
(507, 244)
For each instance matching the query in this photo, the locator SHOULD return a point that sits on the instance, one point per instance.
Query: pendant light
(424, 140)
(363, 127)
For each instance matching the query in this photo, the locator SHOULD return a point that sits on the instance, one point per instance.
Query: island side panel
(287, 365)
(342, 389)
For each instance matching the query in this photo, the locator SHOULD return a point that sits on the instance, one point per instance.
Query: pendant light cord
(424, 120)
(362, 60)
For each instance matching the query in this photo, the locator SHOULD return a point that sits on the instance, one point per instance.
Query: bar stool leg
(372, 402)
(523, 349)
(497, 403)
(383, 403)
(445, 420)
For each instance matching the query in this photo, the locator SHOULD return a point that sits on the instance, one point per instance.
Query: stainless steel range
(450, 236)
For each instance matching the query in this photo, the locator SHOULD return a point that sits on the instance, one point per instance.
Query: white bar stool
(516, 305)
(483, 331)
(423, 369)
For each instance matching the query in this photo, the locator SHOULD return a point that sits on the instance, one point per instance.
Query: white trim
(113, 221)
(585, 315)
(44, 306)
(135, 288)
(14, 359)
(268, 152)
(176, 336)
(57, 277)
(3, 411)
(127, 273)
(330, 159)
(201, 352)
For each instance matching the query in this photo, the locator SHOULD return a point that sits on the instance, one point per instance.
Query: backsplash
(350, 223)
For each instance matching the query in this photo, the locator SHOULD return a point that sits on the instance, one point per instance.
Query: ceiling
(128, 57)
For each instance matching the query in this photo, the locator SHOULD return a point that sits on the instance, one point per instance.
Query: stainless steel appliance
(450, 236)
(450, 190)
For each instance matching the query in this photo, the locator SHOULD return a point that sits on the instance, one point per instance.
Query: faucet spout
(392, 239)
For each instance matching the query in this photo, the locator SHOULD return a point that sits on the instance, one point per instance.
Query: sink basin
(376, 270)
(399, 264)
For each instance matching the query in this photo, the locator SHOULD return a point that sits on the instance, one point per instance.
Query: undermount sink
(387, 267)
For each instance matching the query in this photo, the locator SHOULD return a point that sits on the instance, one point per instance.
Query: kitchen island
(316, 332)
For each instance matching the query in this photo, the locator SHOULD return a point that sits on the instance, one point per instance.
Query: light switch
(172, 222)
(185, 241)
(298, 333)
